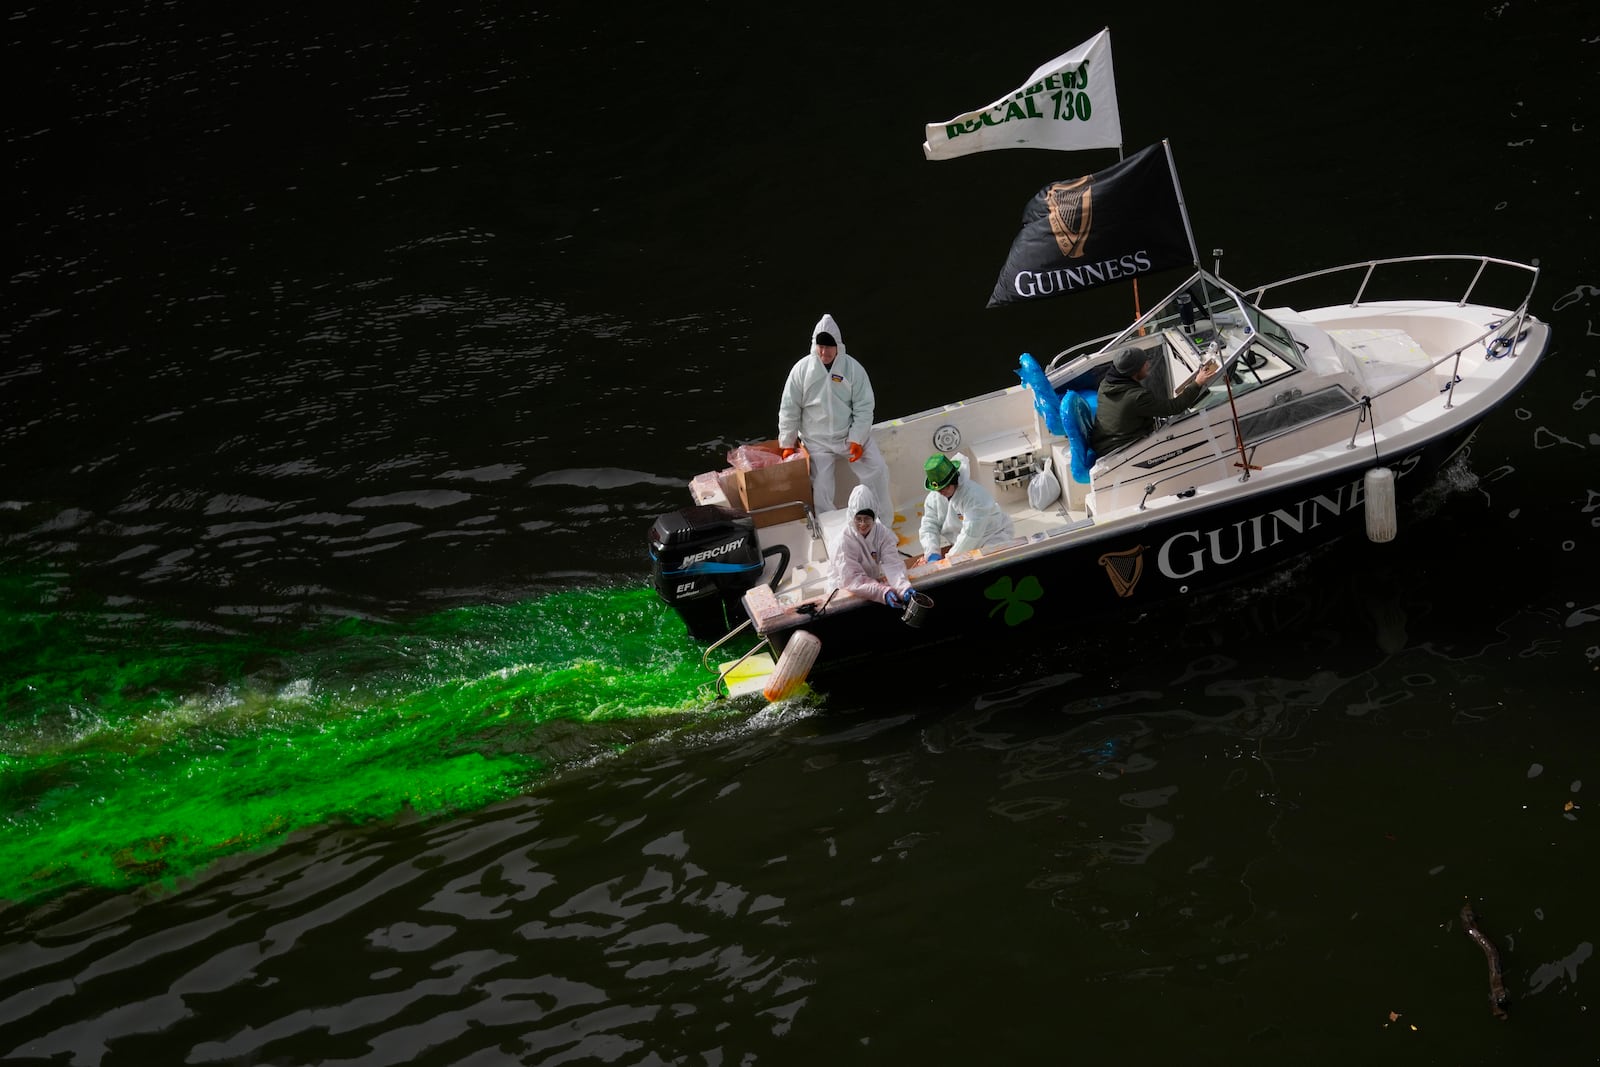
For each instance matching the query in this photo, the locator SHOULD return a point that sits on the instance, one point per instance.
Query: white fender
(798, 657)
(1381, 520)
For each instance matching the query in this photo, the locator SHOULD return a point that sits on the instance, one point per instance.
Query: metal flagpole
(1137, 311)
(1177, 187)
(1238, 437)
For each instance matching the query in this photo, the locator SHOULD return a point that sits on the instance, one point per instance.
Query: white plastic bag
(1043, 488)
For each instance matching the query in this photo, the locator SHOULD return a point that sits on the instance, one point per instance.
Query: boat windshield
(1204, 319)
(1204, 310)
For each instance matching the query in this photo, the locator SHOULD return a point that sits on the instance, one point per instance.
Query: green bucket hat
(939, 472)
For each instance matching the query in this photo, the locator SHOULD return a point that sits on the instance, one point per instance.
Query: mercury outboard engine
(702, 559)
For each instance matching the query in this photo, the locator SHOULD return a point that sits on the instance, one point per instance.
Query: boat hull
(1129, 568)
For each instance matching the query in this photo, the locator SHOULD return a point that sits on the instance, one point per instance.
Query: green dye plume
(130, 753)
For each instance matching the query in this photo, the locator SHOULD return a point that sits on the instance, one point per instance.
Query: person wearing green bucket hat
(938, 472)
(959, 507)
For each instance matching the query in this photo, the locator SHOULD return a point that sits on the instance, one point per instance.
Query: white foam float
(1382, 523)
(799, 655)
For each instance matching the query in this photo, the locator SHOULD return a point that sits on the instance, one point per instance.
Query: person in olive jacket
(1127, 410)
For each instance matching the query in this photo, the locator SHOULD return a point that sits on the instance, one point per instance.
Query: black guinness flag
(1109, 226)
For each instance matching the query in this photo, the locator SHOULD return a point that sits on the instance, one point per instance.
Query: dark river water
(348, 355)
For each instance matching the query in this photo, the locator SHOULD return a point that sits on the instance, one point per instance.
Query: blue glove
(890, 599)
(906, 597)
(934, 557)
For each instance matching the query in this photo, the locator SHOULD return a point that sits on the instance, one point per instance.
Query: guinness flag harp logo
(1124, 568)
(1071, 210)
(1109, 226)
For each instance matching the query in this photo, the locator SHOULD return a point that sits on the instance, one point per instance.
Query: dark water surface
(348, 355)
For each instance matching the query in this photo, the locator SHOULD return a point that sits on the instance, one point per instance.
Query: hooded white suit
(867, 566)
(827, 408)
(970, 516)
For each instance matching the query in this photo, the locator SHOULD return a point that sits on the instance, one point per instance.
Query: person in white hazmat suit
(866, 557)
(827, 403)
(957, 507)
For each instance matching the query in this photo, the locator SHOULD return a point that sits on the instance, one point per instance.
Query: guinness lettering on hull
(1191, 552)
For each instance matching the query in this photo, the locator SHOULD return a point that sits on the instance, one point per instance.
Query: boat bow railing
(1368, 268)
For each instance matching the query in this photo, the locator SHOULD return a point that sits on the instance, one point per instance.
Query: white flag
(1068, 104)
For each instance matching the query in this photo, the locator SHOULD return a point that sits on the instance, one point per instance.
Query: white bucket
(798, 657)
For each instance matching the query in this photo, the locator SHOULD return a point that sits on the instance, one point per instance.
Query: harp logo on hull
(1124, 568)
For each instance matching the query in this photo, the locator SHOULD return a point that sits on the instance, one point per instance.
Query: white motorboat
(1327, 414)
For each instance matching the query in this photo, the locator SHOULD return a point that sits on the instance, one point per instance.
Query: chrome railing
(1370, 266)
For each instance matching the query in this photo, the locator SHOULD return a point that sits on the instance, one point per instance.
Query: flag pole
(1137, 311)
(1183, 210)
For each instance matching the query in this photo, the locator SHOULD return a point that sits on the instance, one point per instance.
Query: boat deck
(809, 575)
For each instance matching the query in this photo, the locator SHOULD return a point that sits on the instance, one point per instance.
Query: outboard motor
(702, 559)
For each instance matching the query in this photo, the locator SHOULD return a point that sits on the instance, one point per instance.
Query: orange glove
(785, 453)
(855, 451)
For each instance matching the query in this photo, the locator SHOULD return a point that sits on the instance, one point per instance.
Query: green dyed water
(132, 752)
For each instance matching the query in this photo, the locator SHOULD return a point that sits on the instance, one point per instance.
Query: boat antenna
(1194, 249)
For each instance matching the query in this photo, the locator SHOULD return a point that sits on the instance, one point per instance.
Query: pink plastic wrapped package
(753, 457)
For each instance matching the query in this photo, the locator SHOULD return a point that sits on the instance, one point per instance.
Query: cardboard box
(776, 484)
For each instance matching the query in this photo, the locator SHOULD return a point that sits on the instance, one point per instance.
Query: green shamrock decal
(1015, 600)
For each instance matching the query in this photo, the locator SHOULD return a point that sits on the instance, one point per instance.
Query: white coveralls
(970, 516)
(827, 408)
(867, 566)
